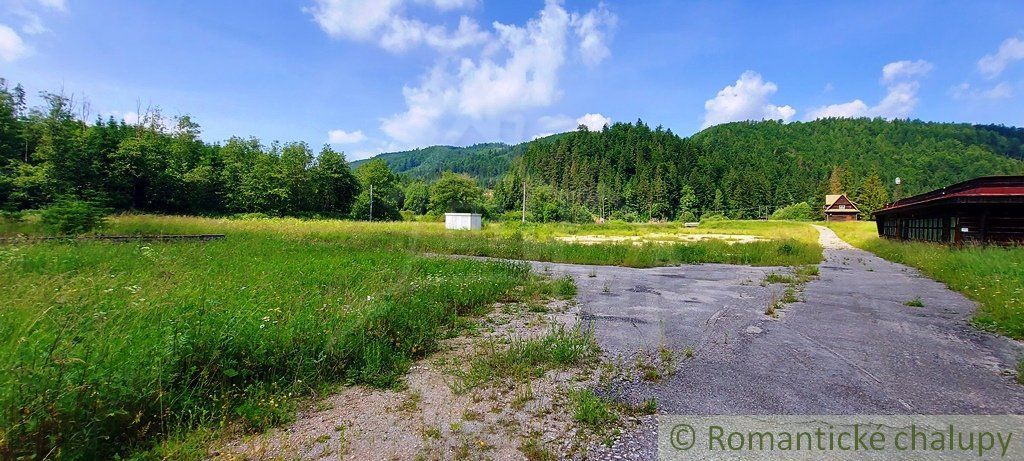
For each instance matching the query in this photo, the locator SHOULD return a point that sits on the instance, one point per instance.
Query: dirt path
(852, 347)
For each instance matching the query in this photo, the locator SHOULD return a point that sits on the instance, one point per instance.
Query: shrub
(11, 216)
(72, 217)
(713, 217)
(797, 212)
(592, 410)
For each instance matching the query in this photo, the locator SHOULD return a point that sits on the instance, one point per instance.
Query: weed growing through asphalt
(794, 285)
(1020, 371)
(789, 296)
(657, 366)
(776, 277)
(916, 302)
(773, 305)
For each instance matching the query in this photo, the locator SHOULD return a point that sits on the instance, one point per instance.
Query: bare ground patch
(445, 411)
(664, 238)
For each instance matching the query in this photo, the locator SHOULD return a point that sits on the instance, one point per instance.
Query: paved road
(852, 348)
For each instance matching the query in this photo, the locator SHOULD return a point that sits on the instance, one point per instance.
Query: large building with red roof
(983, 210)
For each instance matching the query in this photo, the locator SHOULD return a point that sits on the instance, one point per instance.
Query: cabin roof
(832, 200)
(986, 189)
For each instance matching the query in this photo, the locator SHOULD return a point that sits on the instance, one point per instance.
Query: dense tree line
(750, 169)
(48, 154)
(625, 171)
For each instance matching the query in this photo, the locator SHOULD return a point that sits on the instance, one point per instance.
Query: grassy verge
(106, 348)
(991, 275)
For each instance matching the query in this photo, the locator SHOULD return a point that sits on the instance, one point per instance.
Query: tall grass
(790, 243)
(991, 275)
(105, 347)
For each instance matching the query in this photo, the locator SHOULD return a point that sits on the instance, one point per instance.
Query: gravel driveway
(852, 347)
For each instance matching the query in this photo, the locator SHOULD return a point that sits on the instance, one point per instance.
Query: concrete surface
(852, 348)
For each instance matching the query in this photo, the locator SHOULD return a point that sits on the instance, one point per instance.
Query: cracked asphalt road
(852, 346)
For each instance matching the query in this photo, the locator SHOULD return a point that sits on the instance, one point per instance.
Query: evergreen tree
(872, 196)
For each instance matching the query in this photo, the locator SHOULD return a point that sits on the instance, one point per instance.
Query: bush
(72, 217)
(687, 216)
(11, 216)
(713, 217)
(796, 212)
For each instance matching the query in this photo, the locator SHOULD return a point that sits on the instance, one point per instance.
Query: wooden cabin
(840, 208)
(983, 210)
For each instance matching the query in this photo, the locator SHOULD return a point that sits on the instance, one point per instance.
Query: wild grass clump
(565, 287)
(524, 359)
(776, 277)
(592, 410)
(991, 275)
(916, 302)
(108, 347)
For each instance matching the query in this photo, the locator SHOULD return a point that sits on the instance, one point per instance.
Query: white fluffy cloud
(29, 12)
(345, 137)
(594, 122)
(747, 99)
(900, 99)
(965, 91)
(593, 31)
(445, 5)
(553, 124)
(12, 46)
(384, 21)
(905, 69)
(1011, 50)
(59, 5)
(517, 71)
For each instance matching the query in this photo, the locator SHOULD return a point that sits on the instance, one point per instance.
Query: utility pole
(524, 201)
(371, 202)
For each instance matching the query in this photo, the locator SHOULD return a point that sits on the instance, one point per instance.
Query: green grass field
(109, 347)
(786, 244)
(991, 275)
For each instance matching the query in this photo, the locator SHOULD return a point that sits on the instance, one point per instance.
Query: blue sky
(372, 76)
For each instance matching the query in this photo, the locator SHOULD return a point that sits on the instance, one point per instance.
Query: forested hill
(485, 162)
(747, 169)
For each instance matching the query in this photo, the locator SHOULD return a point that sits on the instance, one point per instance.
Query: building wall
(840, 216)
(463, 221)
(958, 223)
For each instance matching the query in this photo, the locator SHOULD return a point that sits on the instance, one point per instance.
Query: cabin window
(842, 207)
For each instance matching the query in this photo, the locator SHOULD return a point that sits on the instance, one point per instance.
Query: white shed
(462, 221)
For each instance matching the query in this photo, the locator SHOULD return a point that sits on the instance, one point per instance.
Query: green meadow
(109, 347)
(991, 275)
